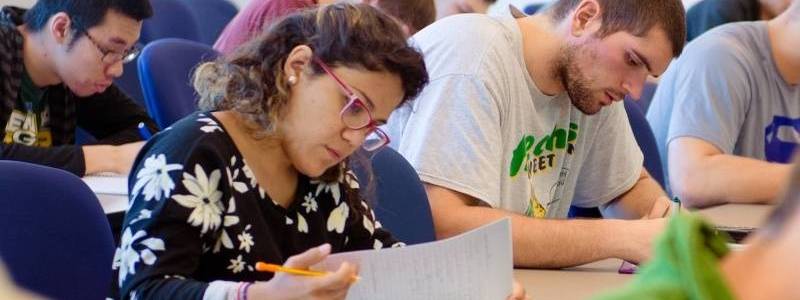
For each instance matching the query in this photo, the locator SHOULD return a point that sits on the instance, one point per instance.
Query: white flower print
(377, 245)
(249, 173)
(153, 179)
(330, 187)
(309, 203)
(204, 199)
(368, 225)
(289, 221)
(229, 220)
(143, 214)
(398, 245)
(128, 256)
(350, 179)
(338, 218)
(245, 239)
(239, 186)
(210, 126)
(237, 265)
(302, 225)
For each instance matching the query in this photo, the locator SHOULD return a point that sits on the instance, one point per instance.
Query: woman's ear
(296, 62)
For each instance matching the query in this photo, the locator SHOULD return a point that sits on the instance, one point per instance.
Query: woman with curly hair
(262, 173)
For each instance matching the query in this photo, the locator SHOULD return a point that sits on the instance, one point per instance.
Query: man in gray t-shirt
(521, 119)
(726, 115)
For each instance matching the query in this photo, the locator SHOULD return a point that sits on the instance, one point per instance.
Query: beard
(574, 81)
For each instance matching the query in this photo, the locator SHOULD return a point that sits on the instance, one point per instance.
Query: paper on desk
(474, 265)
(107, 184)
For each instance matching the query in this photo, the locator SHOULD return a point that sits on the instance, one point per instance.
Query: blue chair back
(56, 241)
(400, 202)
(171, 19)
(215, 15)
(165, 71)
(646, 140)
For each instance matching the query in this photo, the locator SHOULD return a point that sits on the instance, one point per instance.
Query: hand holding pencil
(288, 283)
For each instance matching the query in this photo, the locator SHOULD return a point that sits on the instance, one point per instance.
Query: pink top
(257, 15)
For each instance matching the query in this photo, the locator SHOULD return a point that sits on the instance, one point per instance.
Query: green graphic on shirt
(539, 155)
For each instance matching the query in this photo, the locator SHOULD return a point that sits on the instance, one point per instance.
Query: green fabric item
(685, 265)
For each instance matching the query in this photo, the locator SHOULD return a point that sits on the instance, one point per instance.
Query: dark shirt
(111, 116)
(198, 215)
(708, 14)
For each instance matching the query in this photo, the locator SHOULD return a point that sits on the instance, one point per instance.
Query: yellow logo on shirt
(25, 128)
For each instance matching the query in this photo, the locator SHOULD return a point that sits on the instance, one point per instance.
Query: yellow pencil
(265, 267)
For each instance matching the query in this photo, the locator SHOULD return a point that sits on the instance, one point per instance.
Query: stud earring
(292, 79)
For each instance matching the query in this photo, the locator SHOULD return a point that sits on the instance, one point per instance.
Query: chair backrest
(165, 72)
(400, 202)
(54, 237)
(646, 140)
(215, 15)
(171, 19)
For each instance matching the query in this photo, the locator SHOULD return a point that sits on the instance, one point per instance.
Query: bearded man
(522, 119)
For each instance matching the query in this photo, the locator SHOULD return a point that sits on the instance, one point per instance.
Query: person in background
(523, 118)
(727, 124)
(708, 14)
(692, 260)
(58, 61)
(411, 15)
(446, 8)
(263, 172)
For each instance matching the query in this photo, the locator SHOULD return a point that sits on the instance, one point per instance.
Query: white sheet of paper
(107, 184)
(475, 265)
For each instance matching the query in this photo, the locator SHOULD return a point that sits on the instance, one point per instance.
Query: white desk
(586, 281)
(580, 282)
(111, 191)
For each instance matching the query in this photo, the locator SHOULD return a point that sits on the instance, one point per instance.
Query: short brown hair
(636, 17)
(417, 14)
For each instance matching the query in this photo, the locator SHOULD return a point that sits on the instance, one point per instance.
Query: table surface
(589, 280)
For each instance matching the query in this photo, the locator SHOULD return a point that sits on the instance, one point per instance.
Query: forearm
(646, 199)
(543, 243)
(69, 158)
(722, 178)
(99, 158)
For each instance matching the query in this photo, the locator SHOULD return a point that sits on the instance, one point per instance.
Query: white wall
(20, 3)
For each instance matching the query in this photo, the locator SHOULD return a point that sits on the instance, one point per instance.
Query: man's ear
(587, 18)
(60, 28)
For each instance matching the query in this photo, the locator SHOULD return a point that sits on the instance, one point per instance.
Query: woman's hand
(286, 286)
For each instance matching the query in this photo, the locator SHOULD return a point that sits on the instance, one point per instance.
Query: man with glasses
(57, 64)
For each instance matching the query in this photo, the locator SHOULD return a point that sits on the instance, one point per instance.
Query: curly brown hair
(251, 80)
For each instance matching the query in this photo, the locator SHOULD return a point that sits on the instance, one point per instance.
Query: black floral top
(198, 220)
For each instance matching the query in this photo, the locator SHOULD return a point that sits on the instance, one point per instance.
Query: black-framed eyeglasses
(356, 115)
(111, 57)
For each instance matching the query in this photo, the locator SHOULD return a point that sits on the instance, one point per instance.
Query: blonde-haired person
(411, 15)
(262, 173)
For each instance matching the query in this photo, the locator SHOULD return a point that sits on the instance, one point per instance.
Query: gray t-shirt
(482, 127)
(725, 89)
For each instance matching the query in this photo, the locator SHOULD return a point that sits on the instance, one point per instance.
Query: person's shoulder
(732, 42)
(476, 29)
(199, 131)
